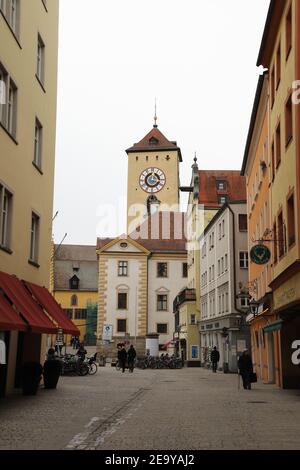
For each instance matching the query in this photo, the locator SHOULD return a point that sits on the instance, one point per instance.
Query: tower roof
(153, 141)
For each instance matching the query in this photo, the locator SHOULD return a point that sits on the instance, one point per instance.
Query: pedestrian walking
(131, 354)
(122, 358)
(215, 357)
(245, 366)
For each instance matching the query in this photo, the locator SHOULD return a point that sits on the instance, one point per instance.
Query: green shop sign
(260, 254)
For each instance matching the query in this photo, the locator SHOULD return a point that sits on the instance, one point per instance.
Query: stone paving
(152, 409)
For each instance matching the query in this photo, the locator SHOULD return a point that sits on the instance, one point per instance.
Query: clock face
(152, 180)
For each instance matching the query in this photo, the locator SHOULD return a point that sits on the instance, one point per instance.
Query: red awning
(49, 304)
(26, 305)
(10, 320)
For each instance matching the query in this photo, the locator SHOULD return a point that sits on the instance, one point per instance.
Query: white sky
(197, 57)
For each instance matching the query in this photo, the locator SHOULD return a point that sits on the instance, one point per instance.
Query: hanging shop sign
(260, 254)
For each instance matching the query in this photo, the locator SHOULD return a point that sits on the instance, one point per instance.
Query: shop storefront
(28, 313)
(230, 336)
(287, 308)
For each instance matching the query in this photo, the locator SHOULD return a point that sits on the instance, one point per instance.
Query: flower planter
(52, 371)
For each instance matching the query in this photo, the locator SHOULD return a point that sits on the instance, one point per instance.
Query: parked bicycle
(71, 364)
(92, 364)
(163, 362)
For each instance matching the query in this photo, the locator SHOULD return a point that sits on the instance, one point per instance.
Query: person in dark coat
(122, 358)
(131, 354)
(82, 352)
(215, 357)
(245, 366)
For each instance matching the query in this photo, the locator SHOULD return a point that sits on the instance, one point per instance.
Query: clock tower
(153, 177)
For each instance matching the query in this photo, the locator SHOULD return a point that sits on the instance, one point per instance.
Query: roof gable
(154, 140)
(122, 244)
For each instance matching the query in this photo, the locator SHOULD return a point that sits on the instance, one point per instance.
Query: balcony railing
(186, 295)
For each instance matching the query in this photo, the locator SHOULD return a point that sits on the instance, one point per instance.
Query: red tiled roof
(75, 252)
(208, 192)
(101, 242)
(162, 232)
(154, 140)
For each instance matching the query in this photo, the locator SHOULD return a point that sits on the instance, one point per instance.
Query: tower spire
(155, 116)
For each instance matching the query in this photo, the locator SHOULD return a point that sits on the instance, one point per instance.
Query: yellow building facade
(75, 287)
(280, 54)
(28, 81)
(153, 176)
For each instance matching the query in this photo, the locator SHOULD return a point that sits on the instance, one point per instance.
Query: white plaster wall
(172, 285)
(113, 282)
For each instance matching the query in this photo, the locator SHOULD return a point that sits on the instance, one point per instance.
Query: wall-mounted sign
(260, 254)
(107, 333)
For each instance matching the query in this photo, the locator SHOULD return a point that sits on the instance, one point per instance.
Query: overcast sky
(197, 57)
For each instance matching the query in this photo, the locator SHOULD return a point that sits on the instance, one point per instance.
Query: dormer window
(153, 141)
(223, 199)
(221, 185)
(74, 283)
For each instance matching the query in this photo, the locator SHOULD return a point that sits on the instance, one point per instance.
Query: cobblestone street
(152, 409)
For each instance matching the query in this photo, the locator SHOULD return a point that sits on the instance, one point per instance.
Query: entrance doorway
(271, 359)
(4, 336)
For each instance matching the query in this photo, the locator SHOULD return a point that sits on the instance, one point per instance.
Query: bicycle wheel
(83, 369)
(93, 368)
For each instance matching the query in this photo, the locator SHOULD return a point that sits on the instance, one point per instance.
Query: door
(271, 359)
(3, 367)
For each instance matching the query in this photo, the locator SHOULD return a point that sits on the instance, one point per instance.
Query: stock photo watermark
(168, 223)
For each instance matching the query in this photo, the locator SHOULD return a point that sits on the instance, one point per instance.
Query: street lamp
(254, 305)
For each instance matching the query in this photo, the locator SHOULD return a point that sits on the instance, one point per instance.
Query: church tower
(153, 177)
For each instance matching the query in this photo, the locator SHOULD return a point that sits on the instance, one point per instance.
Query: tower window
(153, 141)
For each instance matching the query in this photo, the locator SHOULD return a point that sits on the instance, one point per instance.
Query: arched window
(74, 301)
(74, 283)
